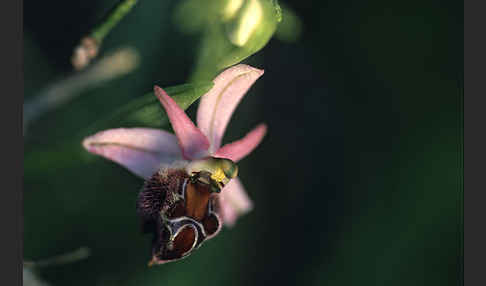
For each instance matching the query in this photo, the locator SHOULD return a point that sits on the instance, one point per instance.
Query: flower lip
(171, 201)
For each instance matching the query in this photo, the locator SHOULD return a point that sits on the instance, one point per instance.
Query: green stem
(112, 19)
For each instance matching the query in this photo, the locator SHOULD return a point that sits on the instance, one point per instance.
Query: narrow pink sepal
(140, 150)
(217, 106)
(233, 202)
(191, 140)
(239, 149)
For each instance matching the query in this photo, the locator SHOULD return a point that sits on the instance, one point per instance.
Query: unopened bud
(84, 53)
(231, 8)
(249, 18)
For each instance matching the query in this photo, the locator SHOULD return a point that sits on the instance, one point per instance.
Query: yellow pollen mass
(218, 175)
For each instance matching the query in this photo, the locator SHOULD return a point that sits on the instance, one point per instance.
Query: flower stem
(90, 44)
(112, 19)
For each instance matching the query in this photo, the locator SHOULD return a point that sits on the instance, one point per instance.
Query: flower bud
(250, 28)
(249, 18)
(231, 8)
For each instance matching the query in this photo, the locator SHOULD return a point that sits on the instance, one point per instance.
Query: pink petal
(239, 149)
(140, 150)
(217, 106)
(233, 202)
(192, 141)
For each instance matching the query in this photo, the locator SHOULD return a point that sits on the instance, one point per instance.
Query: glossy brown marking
(197, 199)
(211, 224)
(184, 241)
(182, 244)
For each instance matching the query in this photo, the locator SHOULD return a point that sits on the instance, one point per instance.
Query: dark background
(359, 180)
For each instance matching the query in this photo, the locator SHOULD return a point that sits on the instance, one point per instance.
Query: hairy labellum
(178, 208)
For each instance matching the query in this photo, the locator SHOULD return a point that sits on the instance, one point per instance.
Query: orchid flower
(144, 151)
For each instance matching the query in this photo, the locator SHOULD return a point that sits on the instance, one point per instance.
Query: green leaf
(146, 111)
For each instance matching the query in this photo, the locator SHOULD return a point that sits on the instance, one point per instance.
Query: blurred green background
(358, 182)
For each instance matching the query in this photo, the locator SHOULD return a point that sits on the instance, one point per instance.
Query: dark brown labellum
(178, 209)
